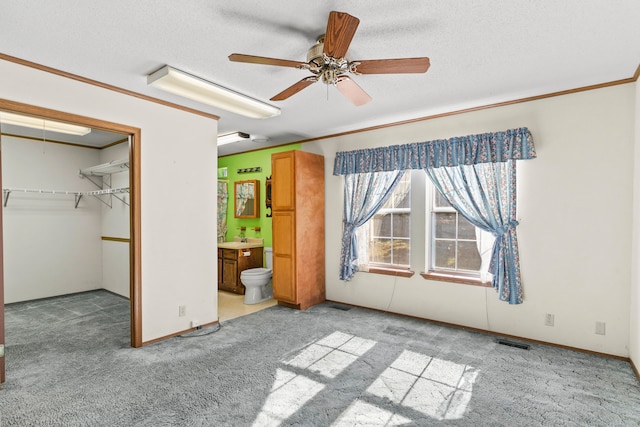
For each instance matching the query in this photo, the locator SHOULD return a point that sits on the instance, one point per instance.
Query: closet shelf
(104, 169)
(100, 176)
(77, 194)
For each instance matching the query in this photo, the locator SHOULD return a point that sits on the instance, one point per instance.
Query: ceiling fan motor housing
(315, 52)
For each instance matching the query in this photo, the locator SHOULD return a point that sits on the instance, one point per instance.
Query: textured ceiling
(481, 52)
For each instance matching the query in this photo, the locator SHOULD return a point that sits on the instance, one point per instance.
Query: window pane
(388, 204)
(445, 225)
(402, 195)
(445, 254)
(401, 224)
(468, 256)
(401, 252)
(380, 251)
(382, 225)
(466, 230)
(390, 229)
(439, 201)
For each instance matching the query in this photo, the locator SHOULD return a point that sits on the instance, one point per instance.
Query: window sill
(442, 277)
(391, 271)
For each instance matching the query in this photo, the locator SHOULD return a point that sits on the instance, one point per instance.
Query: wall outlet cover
(549, 319)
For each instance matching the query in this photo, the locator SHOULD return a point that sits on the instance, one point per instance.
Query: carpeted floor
(69, 364)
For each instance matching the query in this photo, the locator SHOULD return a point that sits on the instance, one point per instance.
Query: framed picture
(247, 199)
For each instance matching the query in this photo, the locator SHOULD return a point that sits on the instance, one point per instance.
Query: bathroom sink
(240, 245)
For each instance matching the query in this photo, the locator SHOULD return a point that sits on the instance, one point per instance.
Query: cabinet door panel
(283, 182)
(229, 275)
(284, 287)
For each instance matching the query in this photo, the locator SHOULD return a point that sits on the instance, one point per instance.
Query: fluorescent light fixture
(229, 138)
(180, 83)
(37, 123)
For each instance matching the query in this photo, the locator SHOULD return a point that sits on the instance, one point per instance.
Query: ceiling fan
(327, 62)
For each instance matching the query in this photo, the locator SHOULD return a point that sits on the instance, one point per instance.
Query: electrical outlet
(195, 324)
(182, 310)
(601, 328)
(549, 319)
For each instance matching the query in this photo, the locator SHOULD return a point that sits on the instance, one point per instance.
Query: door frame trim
(135, 244)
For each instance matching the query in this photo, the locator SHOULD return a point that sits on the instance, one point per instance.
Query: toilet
(257, 281)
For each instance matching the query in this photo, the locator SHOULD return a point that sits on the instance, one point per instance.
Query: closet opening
(70, 220)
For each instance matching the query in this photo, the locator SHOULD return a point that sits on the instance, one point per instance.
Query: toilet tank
(268, 257)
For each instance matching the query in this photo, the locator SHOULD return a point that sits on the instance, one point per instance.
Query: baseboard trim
(67, 295)
(484, 331)
(635, 369)
(186, 331)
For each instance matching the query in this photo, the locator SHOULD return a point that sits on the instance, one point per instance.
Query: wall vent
(341, 307)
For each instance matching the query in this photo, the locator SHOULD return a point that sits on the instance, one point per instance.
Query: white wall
(115, 223)
(178, 174)
(574, 207)
(634, 344)
(50, 247)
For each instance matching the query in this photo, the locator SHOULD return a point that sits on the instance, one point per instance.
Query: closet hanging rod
(78, 194)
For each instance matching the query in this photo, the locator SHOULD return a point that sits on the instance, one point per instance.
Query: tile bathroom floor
(231, 305)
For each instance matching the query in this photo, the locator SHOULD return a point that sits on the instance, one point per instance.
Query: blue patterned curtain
(475, 173)
(485, 194)
(513, 144)
(364, 195)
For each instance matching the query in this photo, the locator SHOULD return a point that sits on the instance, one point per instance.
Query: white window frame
(374, 265)
(430, 240)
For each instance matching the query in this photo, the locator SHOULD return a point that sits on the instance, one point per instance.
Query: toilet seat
(255, 272)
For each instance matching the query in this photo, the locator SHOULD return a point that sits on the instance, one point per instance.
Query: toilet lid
(255, 272)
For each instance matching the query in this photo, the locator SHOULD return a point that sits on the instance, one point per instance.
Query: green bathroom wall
(260, 158)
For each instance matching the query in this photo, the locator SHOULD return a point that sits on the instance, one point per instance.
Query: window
(456, 250)
(457, 247)
(390, 229)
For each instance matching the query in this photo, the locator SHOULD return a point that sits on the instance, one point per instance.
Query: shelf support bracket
(6, 197)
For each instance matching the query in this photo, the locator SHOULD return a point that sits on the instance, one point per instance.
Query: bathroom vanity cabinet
(232, 262)
(298, 228)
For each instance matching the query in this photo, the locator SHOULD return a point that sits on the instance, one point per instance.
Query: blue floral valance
(512, 144)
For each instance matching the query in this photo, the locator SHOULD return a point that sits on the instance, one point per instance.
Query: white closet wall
(50, 247)
(115, 223)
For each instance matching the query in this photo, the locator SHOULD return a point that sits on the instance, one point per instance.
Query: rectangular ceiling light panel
(180, 83)
(230, 138)
(38, 123)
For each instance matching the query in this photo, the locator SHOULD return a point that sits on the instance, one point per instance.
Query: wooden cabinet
(232, 262)
(298, 228)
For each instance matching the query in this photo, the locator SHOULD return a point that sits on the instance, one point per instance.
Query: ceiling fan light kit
(184, 84)
(327, 61)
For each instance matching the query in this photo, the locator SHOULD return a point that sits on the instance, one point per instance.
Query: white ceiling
(481, 52)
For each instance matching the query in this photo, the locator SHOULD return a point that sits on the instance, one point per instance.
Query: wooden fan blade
(238, 57)
(391, 66)
(341, 28)
(352, 91)
(293, 89)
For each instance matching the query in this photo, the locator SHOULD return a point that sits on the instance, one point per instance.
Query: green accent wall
(261, 158)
